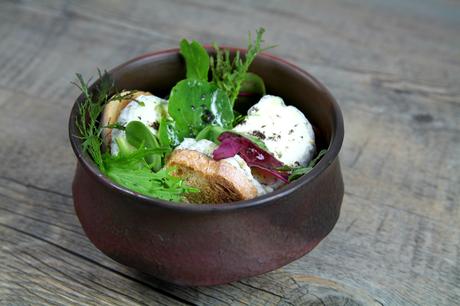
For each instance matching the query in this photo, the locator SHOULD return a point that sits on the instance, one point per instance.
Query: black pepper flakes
(258, 134)
(207, 116)
(155, 125)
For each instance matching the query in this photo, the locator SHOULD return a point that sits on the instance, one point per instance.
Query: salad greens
(196, 60)
(210, 132)
(167, 134)
(200, 106)
(296, 172)
(133, 172)
(252, 84)
(130, 168)
(194, 104)
(138, 135)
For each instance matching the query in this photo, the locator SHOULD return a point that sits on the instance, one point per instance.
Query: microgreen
(296, 172)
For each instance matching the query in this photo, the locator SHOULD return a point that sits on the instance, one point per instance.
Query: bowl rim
(330, 156)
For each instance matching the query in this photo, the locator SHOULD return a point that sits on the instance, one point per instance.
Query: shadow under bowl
(206, 244)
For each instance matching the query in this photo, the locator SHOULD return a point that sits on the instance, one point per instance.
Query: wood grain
(393, 65)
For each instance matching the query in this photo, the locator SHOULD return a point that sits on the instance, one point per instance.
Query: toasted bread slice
(218, 181)
(113, 109)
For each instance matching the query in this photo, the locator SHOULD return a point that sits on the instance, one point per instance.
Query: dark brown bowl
(205, 244)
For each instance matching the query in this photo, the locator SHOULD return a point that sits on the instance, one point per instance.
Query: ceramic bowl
(205, 244)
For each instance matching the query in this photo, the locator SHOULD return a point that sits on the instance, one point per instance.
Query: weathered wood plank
(34, 271)
(47, 235)
(394, 66)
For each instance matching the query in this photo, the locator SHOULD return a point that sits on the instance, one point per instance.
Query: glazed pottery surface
(191, 244)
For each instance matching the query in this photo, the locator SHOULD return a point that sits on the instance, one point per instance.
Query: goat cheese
(285, 130)
(146, 109)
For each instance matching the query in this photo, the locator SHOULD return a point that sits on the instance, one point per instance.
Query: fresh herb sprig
(229, 75)
(88, 114)
(296, 172)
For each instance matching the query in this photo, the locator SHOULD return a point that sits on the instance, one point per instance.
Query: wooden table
(393, 65)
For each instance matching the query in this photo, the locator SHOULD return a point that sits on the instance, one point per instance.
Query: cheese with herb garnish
(147, 109)
(285, 131)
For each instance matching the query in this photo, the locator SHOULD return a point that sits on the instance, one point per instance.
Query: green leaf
(196, 60)
(167, 134)
(194, 104)
(253, 84)
(124, 148)
(139, 135)
(238, 118)
(315, 160)
(210, 132)
(131, 171)
(253, 139)
(299, 171)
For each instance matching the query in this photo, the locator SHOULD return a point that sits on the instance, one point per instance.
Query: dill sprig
(229, 75)
(296, 172)
(88, 115)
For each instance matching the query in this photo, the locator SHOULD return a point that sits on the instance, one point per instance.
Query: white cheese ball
(207, 147)
(284, 129)
(147, 109)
